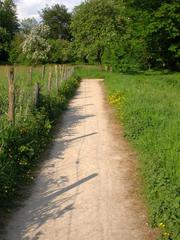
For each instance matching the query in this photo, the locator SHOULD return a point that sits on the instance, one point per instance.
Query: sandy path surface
(85, 189)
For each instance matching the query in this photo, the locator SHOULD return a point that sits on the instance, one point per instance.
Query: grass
(24, 89)
(22, 143)
(148, 104)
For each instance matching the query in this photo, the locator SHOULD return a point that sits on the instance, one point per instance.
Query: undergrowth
(22, 144)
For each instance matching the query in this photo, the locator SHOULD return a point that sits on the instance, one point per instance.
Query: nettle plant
(36, 47)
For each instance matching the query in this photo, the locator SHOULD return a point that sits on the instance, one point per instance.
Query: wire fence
(20, 87)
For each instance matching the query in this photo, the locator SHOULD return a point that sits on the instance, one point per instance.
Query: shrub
(22, 144)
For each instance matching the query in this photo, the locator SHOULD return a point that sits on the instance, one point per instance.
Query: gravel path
(86, 188)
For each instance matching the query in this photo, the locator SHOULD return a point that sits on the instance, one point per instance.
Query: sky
(30, 8)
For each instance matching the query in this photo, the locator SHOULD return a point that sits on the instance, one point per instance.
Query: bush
(22, 144)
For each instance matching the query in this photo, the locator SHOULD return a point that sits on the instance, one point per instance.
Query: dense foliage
(124, 35)
(8, 26)
(58, 20)
(94, 27)
(21, 145)
(128, 35)
(148, 104)
(22, 41)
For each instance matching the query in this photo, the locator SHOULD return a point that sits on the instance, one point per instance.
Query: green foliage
(94, 26)
(151, 39)
(8, 27)
(163, 36)
(58, 20)
(8, 17)
(21, 145)
(148, 104)
(60, 51)
(27, 24)
(4, 44)
(127, 35)
(15, 53)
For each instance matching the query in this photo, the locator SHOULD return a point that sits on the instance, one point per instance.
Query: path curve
(86, 187)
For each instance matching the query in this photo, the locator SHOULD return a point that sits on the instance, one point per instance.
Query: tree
(8, 26)
(95, 25)
(36, 47)
(8, 17)
(151, 36)
(58, 19)
(4, 44)
(15, 53)
(163, 36)
(60, 51)
(27, 24)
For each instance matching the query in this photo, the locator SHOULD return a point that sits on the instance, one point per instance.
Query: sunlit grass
(150, 113)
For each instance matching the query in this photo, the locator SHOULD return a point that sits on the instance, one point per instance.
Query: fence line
(50, 78)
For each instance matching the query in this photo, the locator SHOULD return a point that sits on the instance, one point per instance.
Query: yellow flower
(162, 225)
(166, 234)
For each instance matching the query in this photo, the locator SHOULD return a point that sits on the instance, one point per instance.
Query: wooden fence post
(49, 79)
(11, 96)
(43, 72)
(30, 74)
(60, 68)
(56, 74)
(63, 72)
(36, 94)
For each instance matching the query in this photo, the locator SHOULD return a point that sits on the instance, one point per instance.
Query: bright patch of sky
(31, 8)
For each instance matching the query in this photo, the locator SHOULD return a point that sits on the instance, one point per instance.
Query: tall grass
(24, 88)
(148, 104)
(21, 144)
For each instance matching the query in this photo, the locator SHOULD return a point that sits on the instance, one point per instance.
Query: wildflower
(166, 234)
(161, 225)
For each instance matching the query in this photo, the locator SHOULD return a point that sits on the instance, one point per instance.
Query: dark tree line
(8, 26)
(125, 35)
(128, 34)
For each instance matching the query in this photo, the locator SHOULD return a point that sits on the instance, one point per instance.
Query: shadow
(50, 207)
(36, 237)
(63, 190)
(86, 105)
(152, 72)
(87, 135)
(82, 97)
(76, 119)
(54, 196)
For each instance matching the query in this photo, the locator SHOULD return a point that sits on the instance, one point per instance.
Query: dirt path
(86, 187)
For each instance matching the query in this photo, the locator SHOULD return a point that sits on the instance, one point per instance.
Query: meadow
(148, 105)
(22, 141)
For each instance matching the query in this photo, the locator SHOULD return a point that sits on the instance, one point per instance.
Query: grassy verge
(21, 145)
(148, 104)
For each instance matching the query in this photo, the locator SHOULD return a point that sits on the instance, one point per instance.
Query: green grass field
(148, 105)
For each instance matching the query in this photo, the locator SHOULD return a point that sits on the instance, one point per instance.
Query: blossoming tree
(36, 47)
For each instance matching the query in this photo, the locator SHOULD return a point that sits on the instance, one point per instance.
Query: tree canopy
(125, 35)
(8, 26)
(27, 24)
(94, 26)
(58, 19)
(128, 34)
